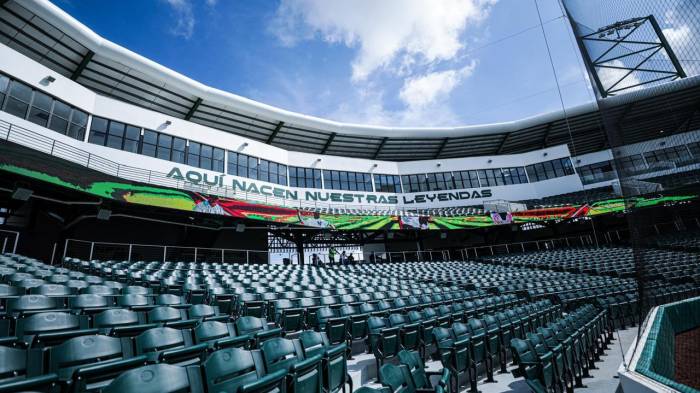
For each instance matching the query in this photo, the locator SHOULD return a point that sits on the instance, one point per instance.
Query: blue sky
(390, 62)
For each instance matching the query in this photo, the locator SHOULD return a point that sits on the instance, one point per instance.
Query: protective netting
(643, 58)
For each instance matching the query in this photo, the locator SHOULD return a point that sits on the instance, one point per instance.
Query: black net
(643, 59)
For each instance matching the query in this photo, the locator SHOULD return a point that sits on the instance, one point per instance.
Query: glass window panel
(218, 154)
(131, 145)
(79, 118)
(133, 133)
(98, 128)
(61, 110)
(21, 92)
(179, 145)
(148, 149)
(59, 117)
(4, 82)
(165, 141)
(97, 137)
(116, 128)
(42, 101)
(150, 137)
(76, 131)
(115, 142)
(164, 144)
(531, 173)
(16, 107)
(205, 163)
(317, 178)
(58, 124)
(163, 153)
(206, 151)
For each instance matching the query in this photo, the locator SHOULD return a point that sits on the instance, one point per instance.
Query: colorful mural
(39, 166)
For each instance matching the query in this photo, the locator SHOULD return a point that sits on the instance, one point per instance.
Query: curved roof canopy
(45, 33)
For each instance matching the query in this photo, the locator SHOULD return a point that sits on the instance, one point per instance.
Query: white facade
(22, 68)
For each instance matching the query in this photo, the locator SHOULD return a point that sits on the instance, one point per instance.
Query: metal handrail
(4, 241)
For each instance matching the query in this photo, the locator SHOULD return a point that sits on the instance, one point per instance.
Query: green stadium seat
(218, 335)
(157, 378)
(168, 345)
(334, 362)
(235, 370)
(413, 361)
(257, 328)
(303, 375)
(92, 362)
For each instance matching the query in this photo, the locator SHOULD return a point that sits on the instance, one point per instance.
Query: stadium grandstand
(162, 234)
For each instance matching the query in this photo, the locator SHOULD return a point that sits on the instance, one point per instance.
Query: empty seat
(157, 378)
(234, 370)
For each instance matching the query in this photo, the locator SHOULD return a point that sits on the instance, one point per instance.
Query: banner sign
(270, 190)
(37, 165)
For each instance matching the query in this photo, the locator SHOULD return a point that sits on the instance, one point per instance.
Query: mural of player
(314, 221)
(420, 222)
(500, 218)
(209, 205)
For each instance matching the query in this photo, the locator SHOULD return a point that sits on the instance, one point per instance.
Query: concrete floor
(603, 380)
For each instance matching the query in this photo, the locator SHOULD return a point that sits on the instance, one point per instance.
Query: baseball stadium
(309, 196)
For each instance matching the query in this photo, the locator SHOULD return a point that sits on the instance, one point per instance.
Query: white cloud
(679, 36)
(419, 92)
(366, 105)
(610, 76)
(406, 32)
(184, 18)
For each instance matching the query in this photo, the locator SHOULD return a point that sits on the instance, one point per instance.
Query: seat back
(396, 378)
(279, 354)
(159, 339)
(228, 369)
(155, 378)
(250, 325)
(414, 362)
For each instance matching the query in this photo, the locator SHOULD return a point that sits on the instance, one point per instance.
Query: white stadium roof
(44, 32)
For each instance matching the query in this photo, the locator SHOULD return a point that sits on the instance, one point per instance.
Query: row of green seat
(159, 362)
(464, 346)
(557, 356)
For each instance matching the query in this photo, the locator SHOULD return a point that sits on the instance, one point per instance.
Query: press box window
(109, 133)
(19, 97)
(4, 82)
(41, 109)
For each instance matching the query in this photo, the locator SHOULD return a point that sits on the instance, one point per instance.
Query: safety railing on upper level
(89, 250)
(8, 241)
(56, 148)
(587, 240)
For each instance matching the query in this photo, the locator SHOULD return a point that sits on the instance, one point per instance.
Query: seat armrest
(48, 338)
(335, 351)
(104, 369)
(29, 384)
(305, 364)
(219, 318)
(184, 324)
(182, 353)
(265, 334)
(9, 341)
(231, 342)
(266, 383)
(131, 330)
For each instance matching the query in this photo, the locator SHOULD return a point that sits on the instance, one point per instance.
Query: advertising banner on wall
(40, 166)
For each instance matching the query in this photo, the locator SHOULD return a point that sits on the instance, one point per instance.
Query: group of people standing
(344, 259)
